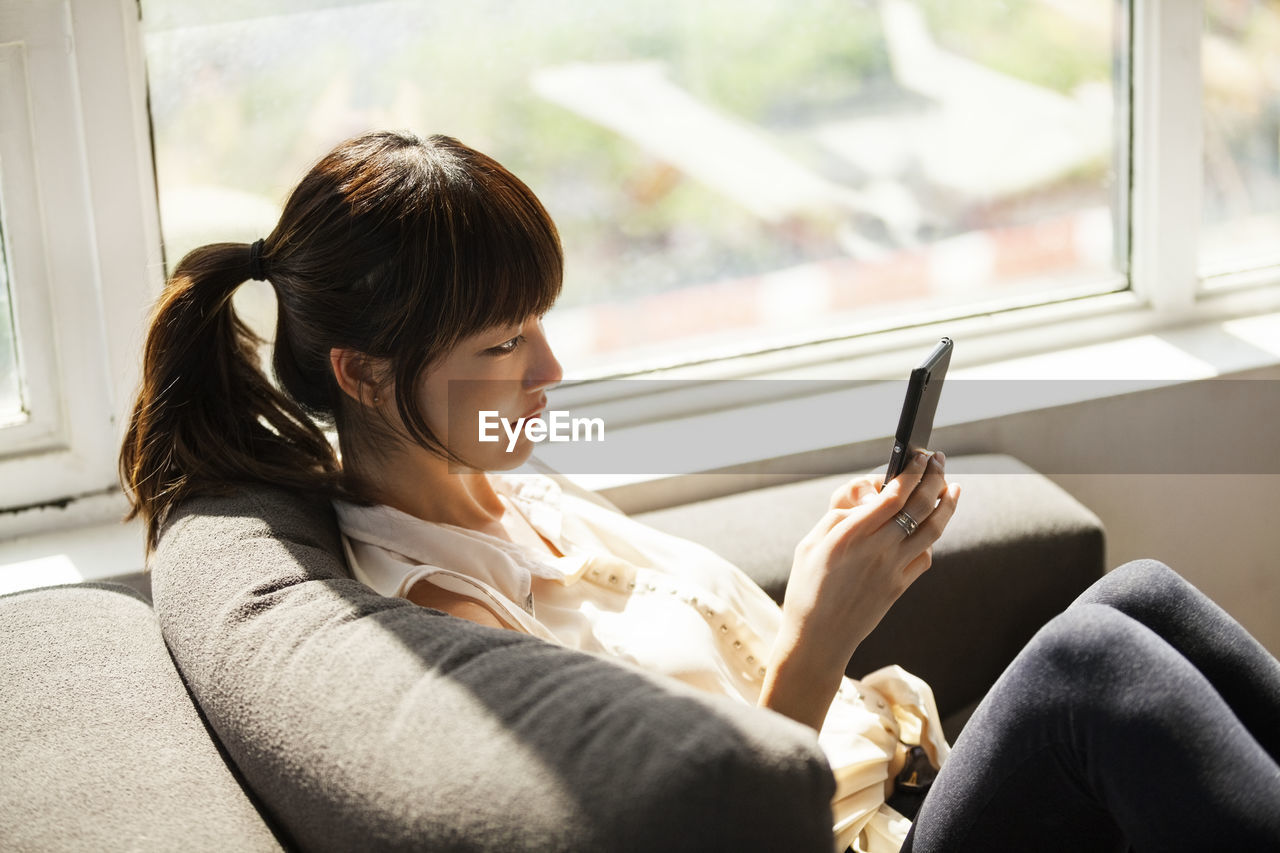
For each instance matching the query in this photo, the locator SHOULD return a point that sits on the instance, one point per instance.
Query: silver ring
(906, 522)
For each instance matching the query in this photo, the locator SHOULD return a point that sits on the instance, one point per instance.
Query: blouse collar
(503, 565)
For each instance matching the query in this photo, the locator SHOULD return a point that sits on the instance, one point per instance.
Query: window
(77, 240)
(1241, 67)
(30, 416)
(804, 179)
(11, 407)
(727, 175)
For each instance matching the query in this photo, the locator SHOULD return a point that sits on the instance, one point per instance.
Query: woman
(411, 277)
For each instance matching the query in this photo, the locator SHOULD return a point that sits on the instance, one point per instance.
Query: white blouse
(666, 604)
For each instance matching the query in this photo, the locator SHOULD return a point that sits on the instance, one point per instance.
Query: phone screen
(915, 425)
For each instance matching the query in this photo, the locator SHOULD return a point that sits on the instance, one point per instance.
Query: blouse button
(737, 644)
(631, 585)
(652, 587)
(613, 579)
(760, 672)
(724, 629)
(751, 658)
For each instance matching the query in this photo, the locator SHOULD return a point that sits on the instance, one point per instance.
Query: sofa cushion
(1017, 552)
(365, 722)
(101, 746)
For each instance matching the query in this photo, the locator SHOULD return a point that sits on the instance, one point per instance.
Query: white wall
(1219, 530)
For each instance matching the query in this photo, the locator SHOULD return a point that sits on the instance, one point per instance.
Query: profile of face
(433, 250)
(504, 369)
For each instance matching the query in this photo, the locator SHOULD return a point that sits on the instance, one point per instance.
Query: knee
(1141, 577)
(1138, 581)
(1087, 645)
(1144, 571)
(1080, 660)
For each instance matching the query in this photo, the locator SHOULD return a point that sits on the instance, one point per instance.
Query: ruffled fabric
(666, 604)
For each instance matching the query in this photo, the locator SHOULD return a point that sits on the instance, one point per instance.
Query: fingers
(930, 490)
(930, 529)
(855, 491)
(918, 566)
(894, 496)
(917, 491)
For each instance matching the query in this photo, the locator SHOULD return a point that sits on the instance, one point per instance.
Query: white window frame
(96, 172)
(82, 231)
(1164, 207)
(28, 269)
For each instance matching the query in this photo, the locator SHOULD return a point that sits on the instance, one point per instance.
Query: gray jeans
(1142, 716)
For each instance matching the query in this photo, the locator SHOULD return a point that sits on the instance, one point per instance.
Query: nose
(544, 370)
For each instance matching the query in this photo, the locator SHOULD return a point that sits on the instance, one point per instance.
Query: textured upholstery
(100, 745)
(1017, 552)
(364, 722)
(354, 721)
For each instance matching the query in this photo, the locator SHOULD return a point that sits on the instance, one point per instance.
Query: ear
(354, 372)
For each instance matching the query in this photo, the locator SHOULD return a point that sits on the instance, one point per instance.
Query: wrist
(799, 683)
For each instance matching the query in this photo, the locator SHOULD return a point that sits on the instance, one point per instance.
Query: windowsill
(86, 552)
(1246, 347)
(84, 541)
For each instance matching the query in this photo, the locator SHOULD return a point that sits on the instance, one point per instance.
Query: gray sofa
(269, 701)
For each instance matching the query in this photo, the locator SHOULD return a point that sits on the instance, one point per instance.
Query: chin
(504, 461)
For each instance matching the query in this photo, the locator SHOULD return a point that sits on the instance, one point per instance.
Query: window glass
(727, 175)
(11, 408)
(1241, 66)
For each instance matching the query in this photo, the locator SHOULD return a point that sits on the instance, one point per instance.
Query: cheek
(452, 396)
(433, 403)
(457, 419)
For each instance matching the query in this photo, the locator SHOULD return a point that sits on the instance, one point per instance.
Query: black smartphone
(916, 422)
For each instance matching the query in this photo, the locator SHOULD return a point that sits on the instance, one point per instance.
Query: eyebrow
(513, 328)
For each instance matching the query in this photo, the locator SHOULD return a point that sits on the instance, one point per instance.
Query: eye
(507, 346)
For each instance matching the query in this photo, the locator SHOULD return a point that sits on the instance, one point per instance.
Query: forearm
(800, 684)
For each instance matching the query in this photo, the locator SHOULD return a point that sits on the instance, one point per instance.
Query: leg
(1099, 734)
(1239, 668)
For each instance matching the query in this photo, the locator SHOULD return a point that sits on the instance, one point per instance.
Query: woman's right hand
(848, 570)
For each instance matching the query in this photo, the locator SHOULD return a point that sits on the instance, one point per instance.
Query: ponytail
(391, 246)
(207, 419)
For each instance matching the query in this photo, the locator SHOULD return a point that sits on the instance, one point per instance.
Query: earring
(375, 398)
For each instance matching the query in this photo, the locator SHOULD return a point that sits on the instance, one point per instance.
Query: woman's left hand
(848, 570)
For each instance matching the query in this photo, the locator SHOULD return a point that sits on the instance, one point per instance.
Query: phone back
(915, 426)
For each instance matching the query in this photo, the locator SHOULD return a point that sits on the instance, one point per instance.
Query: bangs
(509, 263)
(469, 248)
(475, 250)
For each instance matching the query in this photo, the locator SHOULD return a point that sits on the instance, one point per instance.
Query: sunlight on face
(507, 370)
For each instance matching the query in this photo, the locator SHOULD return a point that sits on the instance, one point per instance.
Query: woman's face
(506, 370)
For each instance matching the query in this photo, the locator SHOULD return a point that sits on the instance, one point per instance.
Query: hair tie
(257, 269)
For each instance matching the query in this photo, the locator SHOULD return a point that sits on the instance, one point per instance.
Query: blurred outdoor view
(1241, 62)
(727, 175)
(10, 391)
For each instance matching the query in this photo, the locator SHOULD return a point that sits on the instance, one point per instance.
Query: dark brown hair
(392, 246)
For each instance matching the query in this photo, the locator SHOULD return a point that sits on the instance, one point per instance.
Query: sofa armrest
(101, 746)
(1017, 552)
(365, 722)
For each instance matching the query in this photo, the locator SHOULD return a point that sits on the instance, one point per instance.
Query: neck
(421, 484)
